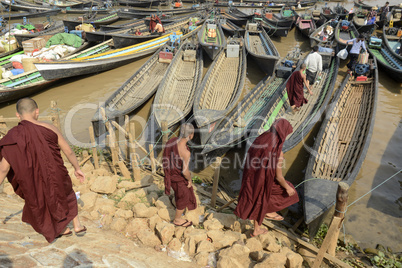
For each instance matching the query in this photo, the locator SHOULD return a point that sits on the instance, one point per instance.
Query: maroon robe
(173, 168)
(38, 175)
(294, 87)
(260, 192)
(153, 22)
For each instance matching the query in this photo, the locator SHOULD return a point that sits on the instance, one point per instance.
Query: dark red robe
(173, 168)
(294, 87)
(260, 192)
(153, 22)
(39, 176)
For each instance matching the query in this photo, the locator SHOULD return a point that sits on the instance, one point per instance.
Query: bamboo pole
(136, 167)
(216, 181)
(164, 126)
(93, 145)
(152, 157)
(340, 208)
(124, 170)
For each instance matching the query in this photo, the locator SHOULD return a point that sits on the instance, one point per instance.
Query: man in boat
(138, 32)
(294, 88)
(152, 23)
(264, 191)
(159, 28)
(176, 158)
(30, 158)
(357, 45)
(313, 65)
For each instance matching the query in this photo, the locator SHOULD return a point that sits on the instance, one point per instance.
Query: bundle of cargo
(86, 27)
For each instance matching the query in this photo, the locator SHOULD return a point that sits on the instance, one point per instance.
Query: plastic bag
(343, 54)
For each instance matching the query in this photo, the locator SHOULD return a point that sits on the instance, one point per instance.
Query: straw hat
(374, 8)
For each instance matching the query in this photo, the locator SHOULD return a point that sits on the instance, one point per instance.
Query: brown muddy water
(376, 218)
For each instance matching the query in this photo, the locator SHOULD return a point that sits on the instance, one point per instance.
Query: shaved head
(26, 106)
(186, 130)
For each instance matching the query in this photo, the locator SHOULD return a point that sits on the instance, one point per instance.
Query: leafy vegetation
(386, 260)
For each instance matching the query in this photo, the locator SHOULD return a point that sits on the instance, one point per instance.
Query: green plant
(320, 236)
(389, 261)
(197, 180)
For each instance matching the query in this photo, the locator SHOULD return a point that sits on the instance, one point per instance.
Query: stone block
(165, 232)
(205, 246)
(274, 260)
(118, 224)
(104, 185)
(213, 224)
(124, 214)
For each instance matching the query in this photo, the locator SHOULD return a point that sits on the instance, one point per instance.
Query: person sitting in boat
(373, 12)
(298, 4)
(371, 21)
(324, 35)
(137, 32)
(294, 87)
(357, 45)
(314, 65)
(152, 23)
(159, 28)
(264, 190)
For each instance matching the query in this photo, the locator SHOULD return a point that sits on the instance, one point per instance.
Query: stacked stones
(141, 211)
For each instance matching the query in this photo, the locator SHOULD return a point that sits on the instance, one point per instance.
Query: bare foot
(273, 216)
(259, 232)
(79, 228)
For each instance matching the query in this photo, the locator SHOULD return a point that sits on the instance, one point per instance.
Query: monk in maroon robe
(294, 87)
(176, 158)
(264, 190)
(152, 23)
(31, 160)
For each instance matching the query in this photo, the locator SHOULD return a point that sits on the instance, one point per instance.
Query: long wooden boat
(101, 36)
(135, 91)
(279, 21)
(233, 18)
(361, 27)
(238, 123)
(342, 13)
(150, 11)
(60, 4)
(139, 3)
(318, 18)
(22, 7)
(230, 27)
(287, 13)
(260, 47)
(221, 87)
(238, 13)
(328, 13)
(56, 28)
(28, 83)
(175, 96)
(50, 12)
(105, 61)
(341, 144)
(305, 25)
(273, 6)
(129, 38)
(87, 10)
(364, 6)
(341, 36)
(271, 29)
(391, 64)
(392, 41)
(212, 45)
(103, 20)
(315, 37)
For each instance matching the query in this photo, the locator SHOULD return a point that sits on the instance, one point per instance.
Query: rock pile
(142, 212)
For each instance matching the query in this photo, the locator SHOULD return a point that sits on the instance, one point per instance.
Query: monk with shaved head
(30, 159)
(176, 158)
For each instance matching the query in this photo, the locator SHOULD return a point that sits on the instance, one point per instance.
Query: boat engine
(362, 69)
(375, 42)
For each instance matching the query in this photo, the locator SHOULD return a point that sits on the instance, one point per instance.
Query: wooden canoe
(341, 144)
(388, 62)
(315, 38)
(361, 27)
(129, 23)
(318, 18)
(175, 96)
(129, 38)
(237, 124)
(23, 7)
(260, 47)
(221, 88)
(230, 27)
(238, 13)
(272, 29)
(305, 25)
(139, 3)
(135, 91)
(28, 83)
(212, 45)
(56, 28)
(50, 12)
(101, 36)
(104, 61)
(233, 18)
(341, 36)
(96, 22)
(392, 41)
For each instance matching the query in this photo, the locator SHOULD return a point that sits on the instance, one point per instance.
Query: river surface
(376, 218)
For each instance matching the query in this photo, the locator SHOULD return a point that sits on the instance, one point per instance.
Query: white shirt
(356, 46)
(314, 62)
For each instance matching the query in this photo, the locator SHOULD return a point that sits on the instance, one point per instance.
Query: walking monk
(294, 87)
(264, 190)
(30, 158)
(176, 158)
